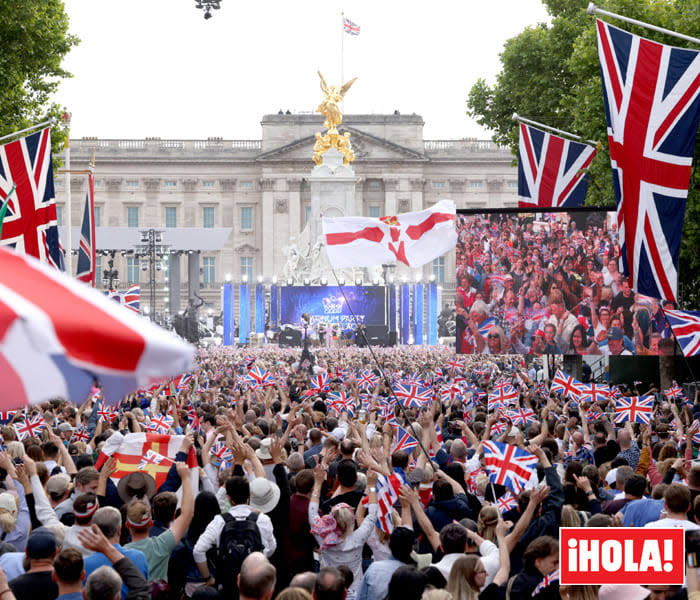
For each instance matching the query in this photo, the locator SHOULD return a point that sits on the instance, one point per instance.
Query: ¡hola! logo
(609, 555)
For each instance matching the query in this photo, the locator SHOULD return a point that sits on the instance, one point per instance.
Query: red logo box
(620, 555)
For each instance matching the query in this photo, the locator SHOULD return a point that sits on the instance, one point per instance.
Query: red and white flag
(57, 335)
(411, 238)
(141, 451)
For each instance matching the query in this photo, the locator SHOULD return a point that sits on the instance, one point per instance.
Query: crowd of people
(268, 476)
(550, 284)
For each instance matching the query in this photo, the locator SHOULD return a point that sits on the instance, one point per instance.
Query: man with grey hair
(458, 450)
(295, 462)
(103, 584)
(109, 521)
(305, 581)
(256, 581)
(629, 450)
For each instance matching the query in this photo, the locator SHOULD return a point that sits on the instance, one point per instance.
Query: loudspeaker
(290, 337)
(377, 335)
(392, 338)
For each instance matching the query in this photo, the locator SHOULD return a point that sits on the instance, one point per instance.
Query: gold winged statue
(330, 108)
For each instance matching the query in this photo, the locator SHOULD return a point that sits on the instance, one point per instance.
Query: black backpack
(239, 538)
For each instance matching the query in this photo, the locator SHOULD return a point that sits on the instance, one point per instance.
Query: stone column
(391, 205)
(268, 226)
(294, 194)
(417, 186)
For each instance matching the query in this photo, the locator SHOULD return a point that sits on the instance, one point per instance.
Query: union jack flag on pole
(30, 221)
(508, 465)
(651, 107)
(87, 252)
(685, 325)
(637, 409)
(350, 27)
(551, 169)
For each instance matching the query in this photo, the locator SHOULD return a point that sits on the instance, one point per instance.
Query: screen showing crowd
(549, 283)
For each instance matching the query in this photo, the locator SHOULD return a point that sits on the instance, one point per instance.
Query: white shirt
(212, 533)
(682, 523)
(348, 552)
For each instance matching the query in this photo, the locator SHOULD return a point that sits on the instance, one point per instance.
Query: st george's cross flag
(30, 221)
(551, 170)
(652, 110)
(413, 238)
(128, 450)
(71, 334)
(87, 252)
(685, 325)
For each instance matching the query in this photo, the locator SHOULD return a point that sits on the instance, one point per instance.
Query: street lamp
(110, 276)
(207, 6)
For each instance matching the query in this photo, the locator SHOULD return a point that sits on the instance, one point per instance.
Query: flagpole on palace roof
(342, 53)
(594, 10)
(50, 123)
(517, 117)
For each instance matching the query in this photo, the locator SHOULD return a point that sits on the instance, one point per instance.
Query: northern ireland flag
(411, 238)
(130, 450)
(58, 335)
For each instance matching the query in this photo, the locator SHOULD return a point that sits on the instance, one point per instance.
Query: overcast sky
(157, 68)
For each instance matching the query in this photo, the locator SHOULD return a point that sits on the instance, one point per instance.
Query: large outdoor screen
(326, 304)
(549, 283)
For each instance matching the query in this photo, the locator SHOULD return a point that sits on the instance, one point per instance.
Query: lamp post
(110, 276)
(207, 6)
(153, 249)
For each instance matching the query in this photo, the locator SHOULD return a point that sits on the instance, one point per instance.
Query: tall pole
(67, 212)
(342, 48)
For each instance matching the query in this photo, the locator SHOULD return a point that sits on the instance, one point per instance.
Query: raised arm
(407, 494)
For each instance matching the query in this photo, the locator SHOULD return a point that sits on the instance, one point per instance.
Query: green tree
(551, 73)
(34, 39)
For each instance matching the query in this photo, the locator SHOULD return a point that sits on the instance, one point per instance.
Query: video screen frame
(580, 303)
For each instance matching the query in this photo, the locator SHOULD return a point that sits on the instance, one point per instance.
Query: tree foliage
(34, 39)
(551, 73)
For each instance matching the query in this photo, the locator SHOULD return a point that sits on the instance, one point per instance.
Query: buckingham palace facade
(238, 204)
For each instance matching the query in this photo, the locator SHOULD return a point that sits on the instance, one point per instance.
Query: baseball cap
(615, 333)
(41, 543)
(58, 484)
(65, 427)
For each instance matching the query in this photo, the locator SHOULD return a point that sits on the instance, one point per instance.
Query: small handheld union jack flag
(153, 458)
(637, 409)
(593, 392)
(81, 435)
(565, 385)
(259, 377)
(30, 427)
(320, 383)
(107, 413)
(367, 380)
(508, 465)
(405, 441)
(160, 423)
(546, 582)
(675, 392)
(506, 502)
(412, 396)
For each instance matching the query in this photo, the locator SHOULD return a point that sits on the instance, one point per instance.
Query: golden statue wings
(330, 107)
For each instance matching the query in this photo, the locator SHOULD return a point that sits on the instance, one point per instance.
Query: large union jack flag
(508, 465)
(87, 251)
(637, 409)
(30, 222)
(685, 325)
(550, 169)
(652, 109)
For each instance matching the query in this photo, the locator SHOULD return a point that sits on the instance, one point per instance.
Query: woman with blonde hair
(15, 521)
(486, 523)
(15, 450)
(340, 543)
(570, 517)
(294, 593)
(468, 575)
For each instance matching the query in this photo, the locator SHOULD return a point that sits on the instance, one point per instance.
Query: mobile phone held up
(692, 548)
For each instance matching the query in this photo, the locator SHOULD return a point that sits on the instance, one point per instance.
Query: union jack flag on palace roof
(685, 325)
(350, 27)
(651, 107)
(30, 222)
(550, 169)
(508, 465)
(637, 409)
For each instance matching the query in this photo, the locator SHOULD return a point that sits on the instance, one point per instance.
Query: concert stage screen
(326, 304)
(548, 282)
